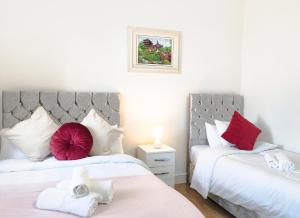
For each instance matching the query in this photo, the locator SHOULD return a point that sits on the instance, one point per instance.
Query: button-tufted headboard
(62, 106)
(207, 108)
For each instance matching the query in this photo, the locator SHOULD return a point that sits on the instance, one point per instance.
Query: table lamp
(157, 133)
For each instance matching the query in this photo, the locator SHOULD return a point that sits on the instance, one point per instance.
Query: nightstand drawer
(166, 174)
(161, 159)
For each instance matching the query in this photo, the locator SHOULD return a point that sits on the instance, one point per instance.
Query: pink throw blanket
(135, 197)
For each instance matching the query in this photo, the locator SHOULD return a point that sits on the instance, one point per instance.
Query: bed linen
(243, 178)
(195, 150)
(135, 197)
(138, 193)
(23, 171)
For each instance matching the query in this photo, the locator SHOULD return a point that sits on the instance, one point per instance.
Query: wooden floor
(206, 206)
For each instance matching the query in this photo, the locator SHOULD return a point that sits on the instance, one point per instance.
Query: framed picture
(153, 50)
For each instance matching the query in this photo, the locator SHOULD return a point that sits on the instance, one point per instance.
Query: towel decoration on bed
(59, 200)
(104, 187)
(279, 161)
(80, 183)
(80, 195)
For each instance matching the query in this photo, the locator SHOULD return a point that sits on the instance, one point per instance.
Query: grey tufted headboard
(62, 106)
(207, 108)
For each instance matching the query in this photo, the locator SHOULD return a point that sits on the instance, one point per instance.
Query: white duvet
(243, 178)
(23, 171)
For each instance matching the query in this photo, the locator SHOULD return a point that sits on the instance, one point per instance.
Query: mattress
(195, 151)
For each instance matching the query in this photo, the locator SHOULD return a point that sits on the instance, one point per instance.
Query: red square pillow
(241, 132)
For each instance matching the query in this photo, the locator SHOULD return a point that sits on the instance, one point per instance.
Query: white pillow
(32, 136)
(107, 139)
(10, 151)
(222, 127)
(212, 135)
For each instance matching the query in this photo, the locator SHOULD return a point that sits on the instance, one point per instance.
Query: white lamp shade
(157, 133)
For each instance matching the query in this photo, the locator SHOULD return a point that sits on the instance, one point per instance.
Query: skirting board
(180, 178)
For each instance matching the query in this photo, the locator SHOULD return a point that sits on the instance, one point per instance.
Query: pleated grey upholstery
(64, 107)
(207, 108)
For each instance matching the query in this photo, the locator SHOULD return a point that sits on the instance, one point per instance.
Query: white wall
(82, 45)
(271, 69)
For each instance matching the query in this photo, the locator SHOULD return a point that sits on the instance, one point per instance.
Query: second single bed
(238, 180)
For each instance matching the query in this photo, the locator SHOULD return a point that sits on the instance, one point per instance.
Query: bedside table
(160, 161)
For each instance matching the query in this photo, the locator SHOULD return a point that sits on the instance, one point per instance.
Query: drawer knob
(161, 160)
(160, 174)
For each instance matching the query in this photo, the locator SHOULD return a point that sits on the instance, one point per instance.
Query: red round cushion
(71, 141)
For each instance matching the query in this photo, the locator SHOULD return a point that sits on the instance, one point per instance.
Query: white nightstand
(160, 161)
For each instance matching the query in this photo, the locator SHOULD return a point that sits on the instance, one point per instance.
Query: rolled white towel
(59, 200)
(80, 182)
(284, 163)
(66, 184)
(104, 189)
(271, 161)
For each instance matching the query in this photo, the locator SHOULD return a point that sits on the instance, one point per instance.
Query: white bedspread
(195, 150)
(243, 178)
(23, 171)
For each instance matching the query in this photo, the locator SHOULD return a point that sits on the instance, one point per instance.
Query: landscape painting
(153, 50)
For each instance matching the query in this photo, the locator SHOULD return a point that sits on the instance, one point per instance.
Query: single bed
(138, 193)
(238, 180)
(207, 108)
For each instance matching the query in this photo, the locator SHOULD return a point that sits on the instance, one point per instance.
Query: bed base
(235, 210)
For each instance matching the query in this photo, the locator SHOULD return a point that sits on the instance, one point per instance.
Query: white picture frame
(153, 50)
